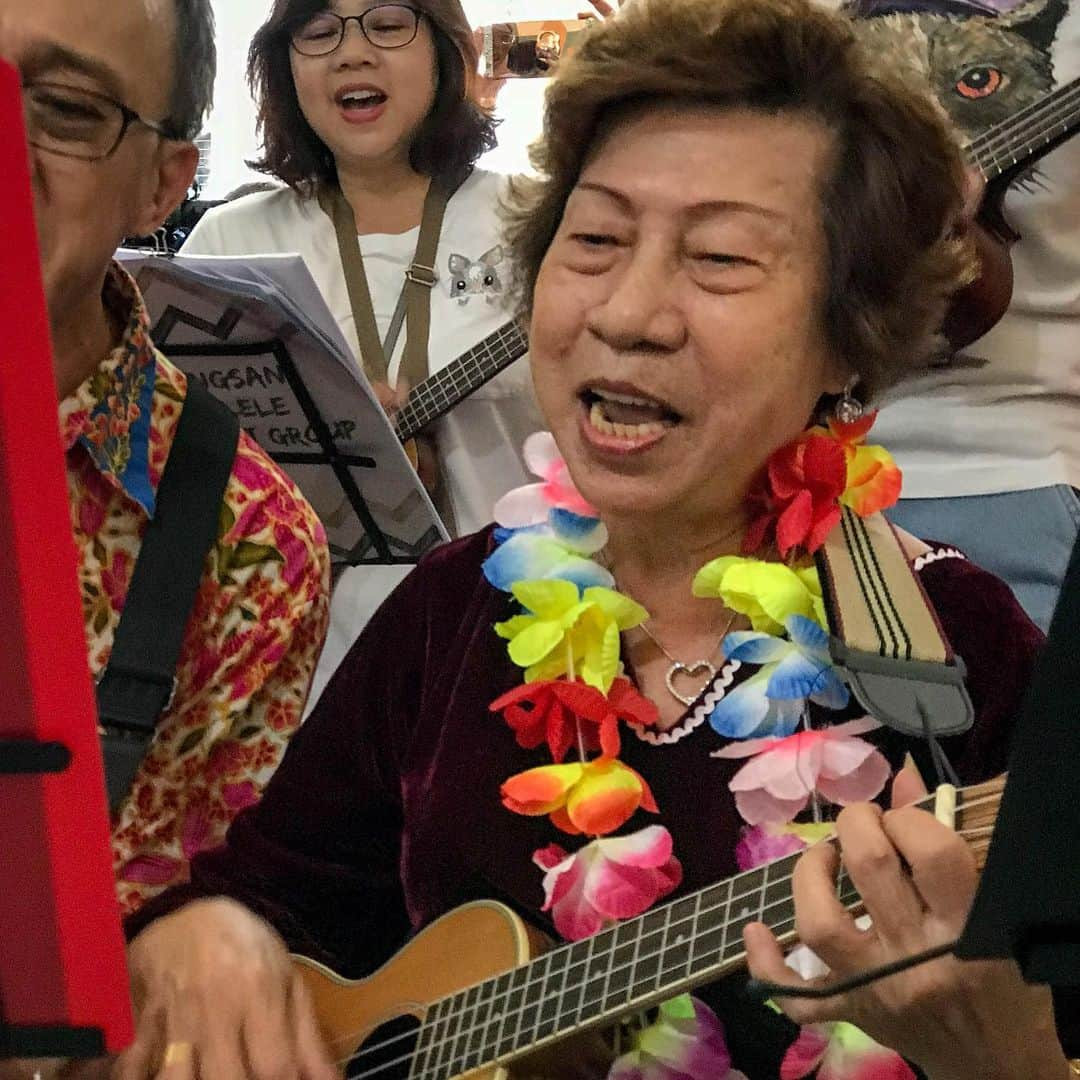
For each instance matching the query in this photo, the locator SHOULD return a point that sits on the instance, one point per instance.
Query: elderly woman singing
(617, 713)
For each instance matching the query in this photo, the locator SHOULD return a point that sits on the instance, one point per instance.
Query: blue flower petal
(808, 636)
(502, 533)
(740, 712)
(585, 535)
(532, 556)
(784, 719)
(795, 677)
(752, 647)
(830, 690)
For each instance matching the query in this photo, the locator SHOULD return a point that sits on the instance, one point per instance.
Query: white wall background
(232, 124)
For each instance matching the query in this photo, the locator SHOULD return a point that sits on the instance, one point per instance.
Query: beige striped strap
(885, 634)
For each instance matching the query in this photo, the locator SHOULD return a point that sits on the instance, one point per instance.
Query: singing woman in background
(376, 104)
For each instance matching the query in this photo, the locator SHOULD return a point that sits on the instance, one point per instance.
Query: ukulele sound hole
(386, 1053)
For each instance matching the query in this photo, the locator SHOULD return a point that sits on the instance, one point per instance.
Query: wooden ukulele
(479, 991)
(1001, 154)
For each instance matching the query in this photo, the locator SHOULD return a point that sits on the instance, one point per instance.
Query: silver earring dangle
(848, 408)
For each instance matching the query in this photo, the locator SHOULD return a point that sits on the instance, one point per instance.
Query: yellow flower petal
(607, 794)
(535, 642)
(809, 832)
(549, 599)
(710, 578)
(626, 612)
(765, 592)
(514, 626)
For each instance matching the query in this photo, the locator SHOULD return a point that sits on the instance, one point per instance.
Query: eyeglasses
(78, 123)
(387, 26)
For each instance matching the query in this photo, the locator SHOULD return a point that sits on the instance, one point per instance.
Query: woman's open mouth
(361, 104)
(624, 418)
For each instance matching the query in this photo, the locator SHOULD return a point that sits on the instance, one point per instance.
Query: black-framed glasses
(79, 123)
(386, 26)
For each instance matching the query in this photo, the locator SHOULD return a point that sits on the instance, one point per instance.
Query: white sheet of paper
(229, 322)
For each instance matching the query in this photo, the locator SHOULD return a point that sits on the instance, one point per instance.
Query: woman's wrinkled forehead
(710, 129)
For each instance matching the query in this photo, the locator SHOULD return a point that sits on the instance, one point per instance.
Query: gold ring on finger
(177, 1053)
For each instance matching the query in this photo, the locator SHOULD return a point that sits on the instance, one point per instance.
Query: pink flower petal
(650, 847)
(804, 1054)
(541, 453)
(788, 769)
(522, 506)
(761, 844)
(618, 891)
(547, 858)
(746, 748)
(862, 785)
(856, 727)
(843, 755)
(575, 918)
(758, 807)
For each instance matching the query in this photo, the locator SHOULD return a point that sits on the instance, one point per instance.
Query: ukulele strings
(780, 929)
(1002, 132)
(984, 149)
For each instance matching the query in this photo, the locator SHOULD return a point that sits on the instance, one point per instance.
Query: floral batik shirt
(256, 627)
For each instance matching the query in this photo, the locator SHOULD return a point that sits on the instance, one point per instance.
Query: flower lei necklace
(575, 695)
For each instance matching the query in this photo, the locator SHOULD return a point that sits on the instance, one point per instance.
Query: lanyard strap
(420, 278)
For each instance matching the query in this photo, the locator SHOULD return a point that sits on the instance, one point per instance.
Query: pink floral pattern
(256, 629)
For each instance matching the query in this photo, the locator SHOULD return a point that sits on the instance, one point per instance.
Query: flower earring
(848, 408)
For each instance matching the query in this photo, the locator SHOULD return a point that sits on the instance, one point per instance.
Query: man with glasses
(114, 91)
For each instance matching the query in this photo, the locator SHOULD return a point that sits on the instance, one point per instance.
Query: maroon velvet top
(386, 813)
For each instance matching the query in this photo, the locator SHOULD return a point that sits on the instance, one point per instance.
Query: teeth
(624, 399)
(622, 431)
(360, 99)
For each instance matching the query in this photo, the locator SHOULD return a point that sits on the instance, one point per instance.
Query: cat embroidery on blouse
(469, 278)
(983, 68)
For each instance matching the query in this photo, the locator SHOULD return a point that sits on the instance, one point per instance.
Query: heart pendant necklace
(689, 671)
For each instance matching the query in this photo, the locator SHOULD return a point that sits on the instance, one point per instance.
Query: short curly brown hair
(889, 205)
(453, 135)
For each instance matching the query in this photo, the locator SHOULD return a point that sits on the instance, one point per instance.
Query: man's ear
(175, 171)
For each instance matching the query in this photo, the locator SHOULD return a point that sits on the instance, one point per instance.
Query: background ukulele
(439, 393)
(1001, 155)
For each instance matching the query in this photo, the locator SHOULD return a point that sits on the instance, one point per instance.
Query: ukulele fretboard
(455, 382)
(630, 966)
(1027, 134)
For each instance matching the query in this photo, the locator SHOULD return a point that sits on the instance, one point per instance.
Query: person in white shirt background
(990, 443)
(416, 122)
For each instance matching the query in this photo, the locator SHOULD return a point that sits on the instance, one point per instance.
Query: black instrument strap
(137, 685)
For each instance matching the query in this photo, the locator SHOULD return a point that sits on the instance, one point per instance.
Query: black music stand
(327, 454)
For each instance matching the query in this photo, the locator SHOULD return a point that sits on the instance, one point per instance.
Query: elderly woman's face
(677, 335)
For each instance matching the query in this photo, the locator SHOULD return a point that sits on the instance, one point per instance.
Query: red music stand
(63, 980)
